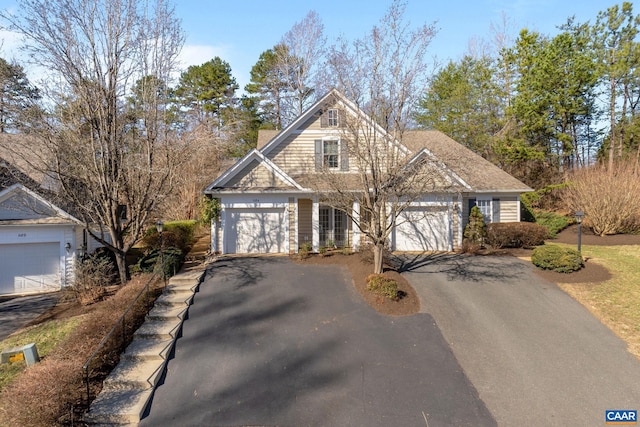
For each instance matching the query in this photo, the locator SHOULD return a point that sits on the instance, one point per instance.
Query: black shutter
(344, 155)
(342, 119)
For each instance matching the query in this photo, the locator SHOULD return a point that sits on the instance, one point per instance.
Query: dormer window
(332, 117)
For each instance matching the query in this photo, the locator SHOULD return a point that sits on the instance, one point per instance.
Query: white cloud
(199, 54)
(9, 45)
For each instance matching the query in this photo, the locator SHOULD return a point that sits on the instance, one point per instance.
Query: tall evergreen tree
(17, 96)
(206, 91)
(465, 101)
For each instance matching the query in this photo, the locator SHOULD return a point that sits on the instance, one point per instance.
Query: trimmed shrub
(516, 234)
(554, 222)
(177, 234)
(557, 258)
(172, 260)
(384, 286)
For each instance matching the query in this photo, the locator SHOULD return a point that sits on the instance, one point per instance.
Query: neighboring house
(39, 243)
(271, 203)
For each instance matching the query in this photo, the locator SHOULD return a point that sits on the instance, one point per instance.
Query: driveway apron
(272, 342)
(535, 355)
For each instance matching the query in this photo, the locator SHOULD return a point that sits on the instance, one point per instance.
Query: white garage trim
(255, 230)
(422, 229)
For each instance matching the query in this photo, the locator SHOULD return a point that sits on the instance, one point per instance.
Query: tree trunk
(121, 261)
(378, 255)
(612, 118)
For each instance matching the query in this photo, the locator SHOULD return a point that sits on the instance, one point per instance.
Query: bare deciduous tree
(384, 74)
(300, 62)
(103, 153)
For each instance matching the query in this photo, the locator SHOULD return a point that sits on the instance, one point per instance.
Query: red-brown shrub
(516, 234)
(609, 198)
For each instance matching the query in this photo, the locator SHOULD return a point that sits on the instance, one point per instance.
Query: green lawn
(615, 302)
(46, 336)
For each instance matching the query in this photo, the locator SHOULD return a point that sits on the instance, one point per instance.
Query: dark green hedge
(172, 260)
(557, 258)
(178, 234)
(515, 235)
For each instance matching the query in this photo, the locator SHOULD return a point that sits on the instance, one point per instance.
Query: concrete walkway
(129, 387)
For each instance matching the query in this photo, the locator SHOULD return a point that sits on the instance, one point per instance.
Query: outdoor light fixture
(67, 246)
(579, 216)
(160, 226)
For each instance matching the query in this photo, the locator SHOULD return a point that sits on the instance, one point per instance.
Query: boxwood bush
(557, 258)
(172, 260)
(516, 234)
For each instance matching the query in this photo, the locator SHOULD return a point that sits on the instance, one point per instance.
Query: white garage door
(423, 229)
(255, 231)
(29, 267)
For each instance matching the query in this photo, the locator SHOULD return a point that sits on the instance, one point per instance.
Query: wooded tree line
(537, 107)
(115, 128)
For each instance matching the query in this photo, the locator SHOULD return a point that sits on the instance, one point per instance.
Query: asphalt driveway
(16, 312)
(535, 355)
(271, 342)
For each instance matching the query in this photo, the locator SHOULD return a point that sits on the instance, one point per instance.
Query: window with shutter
(331, 153)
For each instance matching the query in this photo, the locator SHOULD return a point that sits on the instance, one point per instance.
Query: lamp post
(579, 216)
(160, 228)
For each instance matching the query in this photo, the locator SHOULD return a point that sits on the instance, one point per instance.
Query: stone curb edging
(128, 389)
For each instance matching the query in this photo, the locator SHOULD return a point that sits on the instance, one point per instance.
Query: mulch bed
(360, 268)
(592, 272)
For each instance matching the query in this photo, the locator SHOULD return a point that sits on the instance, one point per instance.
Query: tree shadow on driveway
(272, 342)
(461, 267)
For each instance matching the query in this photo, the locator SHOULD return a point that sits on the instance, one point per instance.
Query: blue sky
(238, 31)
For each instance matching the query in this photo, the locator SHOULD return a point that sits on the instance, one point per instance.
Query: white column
(223, 222)
(296, 243)
(355, 245)
(214, 235)
(315, 221)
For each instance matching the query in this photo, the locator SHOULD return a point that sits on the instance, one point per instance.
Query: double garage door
(29, 267)
(251, 231)
(423, 229)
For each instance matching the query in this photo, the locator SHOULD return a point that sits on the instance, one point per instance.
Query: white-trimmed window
(332, 118)
(490, 209)
(331, 153)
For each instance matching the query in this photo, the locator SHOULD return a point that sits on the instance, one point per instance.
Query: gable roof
(251, 161)
(477, 172)
(458, 166)
(18, 204)
(332, 97)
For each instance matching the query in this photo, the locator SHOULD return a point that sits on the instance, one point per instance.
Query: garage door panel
(30, 267)
(420, 229)
(255, 231)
